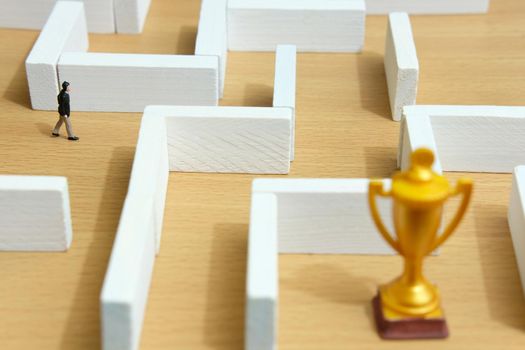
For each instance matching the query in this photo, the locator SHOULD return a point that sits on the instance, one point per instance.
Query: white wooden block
(435, 7)
(34, 213)
(33, 14)
(125, 291)
(130, 15)
(128, 82)
(212, 36)
(150, 172)
(326, 216)
(516, 218)
(311, 25)
(253, 140)
(284, 84)
(467, 138)
(416, 132)
(262, 274)
(401, 64)
(65, 31)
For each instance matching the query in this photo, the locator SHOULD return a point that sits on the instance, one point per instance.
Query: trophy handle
(376, 188)
(464, 187)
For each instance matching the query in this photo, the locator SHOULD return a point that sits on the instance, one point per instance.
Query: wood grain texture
(344, 129)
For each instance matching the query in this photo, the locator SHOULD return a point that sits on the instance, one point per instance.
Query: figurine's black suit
(64, 110)
(63, 103)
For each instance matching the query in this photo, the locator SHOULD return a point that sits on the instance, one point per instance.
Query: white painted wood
(311, 25)
(401, 64)
(253, 140)
(34, 213)
(125, 291)
(416, 132)
(65, 31)
(97, 79)
(150, 172)
(33, 14)
(262, 274)
(430, 7)
(284, 84)
(212, 36)
(468, 138)
(130, 15)
(516, 218)
(326, 216)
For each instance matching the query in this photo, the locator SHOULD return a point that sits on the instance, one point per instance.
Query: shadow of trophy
(409, 307)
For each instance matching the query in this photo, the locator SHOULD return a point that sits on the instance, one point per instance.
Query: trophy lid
(420, 185)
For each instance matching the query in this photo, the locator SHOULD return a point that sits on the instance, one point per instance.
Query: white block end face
(130, 15)
(126, 286)
(212, 36)
(262, 274)
(312, 25)
(251, 140)
(516, 218)
(148, 80)
(285, 84)
(401, 64)
(35, 213)
(427, 7)
(64, 31)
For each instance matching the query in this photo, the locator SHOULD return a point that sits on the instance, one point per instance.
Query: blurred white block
(284, 84)
(33, 14)
(254, 140)
(129, 82)
(311, 25)
(262, 284)
(516, 218)
(126, 286)
(34, 213)
(303, 216)
(401, 64)
(465, 138)
(430, 7)
(65, 31)
(212, 36)
(326, 216)
(130, 15)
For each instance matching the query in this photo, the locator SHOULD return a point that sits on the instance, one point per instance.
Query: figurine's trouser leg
(69, 128)
(58, 125)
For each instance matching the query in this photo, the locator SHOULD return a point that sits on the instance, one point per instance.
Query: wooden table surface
(344, 129)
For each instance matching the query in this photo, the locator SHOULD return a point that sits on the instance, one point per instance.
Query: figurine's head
(65, 86)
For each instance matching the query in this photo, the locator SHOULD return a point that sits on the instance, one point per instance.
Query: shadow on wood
(226, 288)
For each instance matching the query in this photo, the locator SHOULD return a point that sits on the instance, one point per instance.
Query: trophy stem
(413, 271)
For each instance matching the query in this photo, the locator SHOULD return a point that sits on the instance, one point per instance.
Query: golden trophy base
(408, 328)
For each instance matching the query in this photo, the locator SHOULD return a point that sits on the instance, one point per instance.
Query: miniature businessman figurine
(64, 111)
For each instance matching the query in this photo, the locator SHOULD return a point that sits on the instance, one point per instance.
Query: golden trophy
(409, 307)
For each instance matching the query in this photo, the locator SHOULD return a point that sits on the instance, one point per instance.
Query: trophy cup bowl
(409, 306)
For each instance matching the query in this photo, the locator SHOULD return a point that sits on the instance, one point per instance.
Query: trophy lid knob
(420, 185)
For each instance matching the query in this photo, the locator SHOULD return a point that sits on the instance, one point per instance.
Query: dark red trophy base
(416, 328)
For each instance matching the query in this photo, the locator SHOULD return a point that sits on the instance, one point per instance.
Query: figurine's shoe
(74, 138)
(55, 134)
